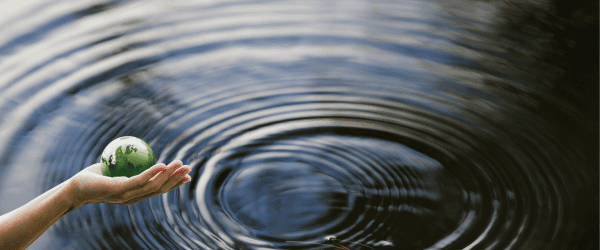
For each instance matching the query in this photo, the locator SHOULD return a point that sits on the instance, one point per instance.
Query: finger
(145, 185)
(171, 169)
(180, 183)
(135, 200)
(136, 185)
(173, 166)
(183, 180)
(180, 175)
(143, 178)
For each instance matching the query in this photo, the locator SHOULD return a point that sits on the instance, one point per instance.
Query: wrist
(73, 194)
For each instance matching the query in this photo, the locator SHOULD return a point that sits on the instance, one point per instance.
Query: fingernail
(177, 175)
(180, 177)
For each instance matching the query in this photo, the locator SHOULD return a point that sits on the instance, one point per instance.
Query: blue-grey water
(383, 124)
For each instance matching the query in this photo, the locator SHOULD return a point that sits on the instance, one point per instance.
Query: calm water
(385, 124)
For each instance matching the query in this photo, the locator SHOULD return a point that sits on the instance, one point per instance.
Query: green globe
(127, 156)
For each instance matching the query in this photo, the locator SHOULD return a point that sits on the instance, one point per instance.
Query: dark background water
(384, 124)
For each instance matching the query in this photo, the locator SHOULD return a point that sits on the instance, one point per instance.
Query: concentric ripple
(309, 125)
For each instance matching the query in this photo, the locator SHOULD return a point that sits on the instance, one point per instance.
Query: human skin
(22, 226)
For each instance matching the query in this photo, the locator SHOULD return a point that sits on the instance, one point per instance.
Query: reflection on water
(386, 125)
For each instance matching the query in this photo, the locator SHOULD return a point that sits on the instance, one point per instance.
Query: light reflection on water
(387, 125)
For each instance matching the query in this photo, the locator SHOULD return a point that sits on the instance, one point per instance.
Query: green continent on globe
(127, 156)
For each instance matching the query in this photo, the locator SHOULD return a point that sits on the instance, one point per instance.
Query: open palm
(90, 186)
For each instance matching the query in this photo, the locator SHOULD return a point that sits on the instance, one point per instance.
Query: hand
(90, 186)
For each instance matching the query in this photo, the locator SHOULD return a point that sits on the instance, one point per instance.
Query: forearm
(22, 226)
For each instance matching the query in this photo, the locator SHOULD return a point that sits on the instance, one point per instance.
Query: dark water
(384, 124)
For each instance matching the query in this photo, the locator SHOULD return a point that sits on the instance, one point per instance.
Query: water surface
(382, 124)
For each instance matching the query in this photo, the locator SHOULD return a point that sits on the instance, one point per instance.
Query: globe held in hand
(127, 156)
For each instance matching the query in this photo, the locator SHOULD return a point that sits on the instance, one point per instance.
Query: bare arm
(22, 226)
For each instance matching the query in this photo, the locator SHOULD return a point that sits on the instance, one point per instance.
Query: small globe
(127, 156)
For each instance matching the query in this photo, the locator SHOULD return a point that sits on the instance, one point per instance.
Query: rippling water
(382, 124)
